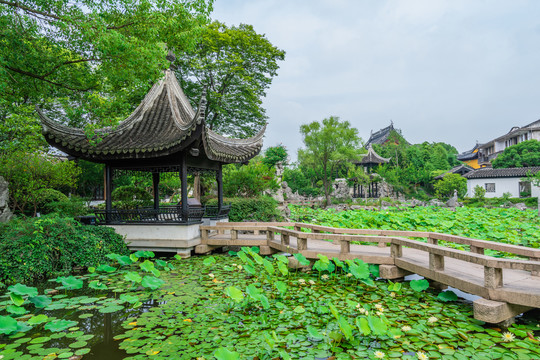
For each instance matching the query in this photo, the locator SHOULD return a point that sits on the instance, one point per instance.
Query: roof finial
(171, 58)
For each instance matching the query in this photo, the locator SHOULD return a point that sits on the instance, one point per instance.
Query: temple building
(163, 134)
(384, 135)
(368, 162)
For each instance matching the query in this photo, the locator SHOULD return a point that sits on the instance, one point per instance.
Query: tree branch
(34, 76)
(68, 63)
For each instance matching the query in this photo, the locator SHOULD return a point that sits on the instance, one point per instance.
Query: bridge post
(433, 241)
(396, 251)
(535, 272)
(234, 234)
(269, 236)
(285, 239)
(477, 249)
(302, 243)
(345, 247)
(436, 262)
(493, 277)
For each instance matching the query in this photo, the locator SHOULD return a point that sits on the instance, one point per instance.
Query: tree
(235, 66)
(524, 154)
(274, 155)
(32, 176)
(88, 61)
(450, 182)
(248, 180)
(329, 145)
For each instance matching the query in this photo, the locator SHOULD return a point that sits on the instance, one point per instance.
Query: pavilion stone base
(180, 239)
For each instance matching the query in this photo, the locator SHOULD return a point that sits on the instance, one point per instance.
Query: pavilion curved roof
(372, 158)
(164, 123)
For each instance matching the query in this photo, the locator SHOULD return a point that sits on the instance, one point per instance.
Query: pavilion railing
(163, 215)
(213, 212)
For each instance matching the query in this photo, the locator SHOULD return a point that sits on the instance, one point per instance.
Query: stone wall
(5, 213)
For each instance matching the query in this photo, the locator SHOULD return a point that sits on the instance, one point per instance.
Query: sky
(456, 71)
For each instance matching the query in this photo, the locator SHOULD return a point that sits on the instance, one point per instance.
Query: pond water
(227, 305)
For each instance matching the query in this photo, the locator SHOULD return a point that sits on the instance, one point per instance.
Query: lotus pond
(244, 306)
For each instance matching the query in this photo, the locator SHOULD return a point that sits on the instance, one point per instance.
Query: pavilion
(163, 134)
(369, 161)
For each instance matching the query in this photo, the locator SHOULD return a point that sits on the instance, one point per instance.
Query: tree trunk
(197, 187)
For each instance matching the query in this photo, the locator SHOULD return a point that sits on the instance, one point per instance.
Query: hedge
(251, 209)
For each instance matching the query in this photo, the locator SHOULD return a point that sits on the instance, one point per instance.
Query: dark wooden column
(184, 193)
(155, 183)
(108, 191)
(219, 179)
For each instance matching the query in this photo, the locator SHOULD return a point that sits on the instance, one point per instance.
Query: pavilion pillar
(219, 179)
(155, 183)
(184, 191)
(108, 191)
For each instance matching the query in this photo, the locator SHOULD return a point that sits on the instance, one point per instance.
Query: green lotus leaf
(147, 266)
(40, 301)
(18, 300)
(70, 282)
(155, 272)
(419, 285)
(281, 258)
(281, 287)
(210, 260)
(40, 340)
(106, 268)
(363, 326)
(112, 256)
(299, 309)
(7, 325)
(338, 262)
(144, 254)
(226, 354)
(132, 299)
(16, 310)
(38, 319)
(96, 284)
(111, 309)
(133, 277)
(59, 325)
(345, 327)
(234, 293)
(152, 282)
(23, 327)
(124, 260)
(253, 292)
(301, 259)
(360, 271)
(264, 301)
(378, 327)
(269, 267)
(447, 296)
(162, 263)
(91, 269)
(314, 333)
(23, 290)
(78, 344)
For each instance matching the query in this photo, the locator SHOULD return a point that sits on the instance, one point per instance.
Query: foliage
(248, 180)
(511, 226)
(450, 182)
(479, 192)
(524, 154)
(36, 248)
(235, 66)
(262, 208)
(302, 179)
(33, 177)
(88, 61)
(329, 145)
(130, 197)
(275, 154)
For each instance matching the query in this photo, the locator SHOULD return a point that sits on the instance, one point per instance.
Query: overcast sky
(451, 71)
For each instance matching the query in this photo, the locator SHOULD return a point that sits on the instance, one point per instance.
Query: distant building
(383, 136)
(470, 157)
(488, 151)
(497, 182)
(460, 169)
(370, 160)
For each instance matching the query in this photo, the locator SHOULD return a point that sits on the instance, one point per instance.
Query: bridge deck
(517, 286)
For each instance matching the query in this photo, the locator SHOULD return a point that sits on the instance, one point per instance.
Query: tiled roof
(469, 155)
(372, 158)
(161, 125)
(501, 173)
(460, 169)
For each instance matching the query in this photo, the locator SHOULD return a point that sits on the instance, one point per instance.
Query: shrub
(130, 197)
(37, 248)
(251, 209)
(248, 180)
(445, 188)
(73, 206)
(479, 192)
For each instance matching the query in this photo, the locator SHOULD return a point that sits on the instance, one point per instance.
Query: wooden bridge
(400, 253)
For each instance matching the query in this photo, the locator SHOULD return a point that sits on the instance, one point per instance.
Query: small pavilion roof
(372, 158)
(163, 124)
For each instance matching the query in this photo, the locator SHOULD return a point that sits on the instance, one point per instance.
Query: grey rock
(5, 212)
(521, 206)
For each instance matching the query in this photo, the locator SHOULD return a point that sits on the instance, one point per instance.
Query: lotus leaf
(152, 282)
(132, 299)
(144, 254)
(301, 259)
(106, 268)
(283, 268)
(447, 296)
(40, 301)
(23, 290)
(96, 284)
(133, 277)
(234, 293)
(7, 325)
(363, 326)
(18, 300)
(281, 287)
(314, 333)
(345, 327)
(16, 310)
(70, 282)
(147, 266)
(268, 267)
(226, 354)
(59, 325)
(124, 260)
(419, 285)
(38, 319)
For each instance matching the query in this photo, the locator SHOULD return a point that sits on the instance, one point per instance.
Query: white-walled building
(496, 182)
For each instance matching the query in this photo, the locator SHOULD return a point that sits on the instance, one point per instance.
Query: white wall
(502, 185)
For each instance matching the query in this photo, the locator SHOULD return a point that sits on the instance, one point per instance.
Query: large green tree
(88, 61)
(235, 66)
(330, 145)
(524, 154)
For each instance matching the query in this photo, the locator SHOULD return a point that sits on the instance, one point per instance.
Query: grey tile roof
(460, 169)
(372, 158)
(158, 127)
(501, 173)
